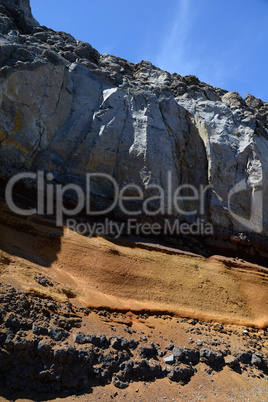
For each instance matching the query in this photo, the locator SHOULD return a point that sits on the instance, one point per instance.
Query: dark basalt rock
(181, 373)
(39, 357)
(17, 14)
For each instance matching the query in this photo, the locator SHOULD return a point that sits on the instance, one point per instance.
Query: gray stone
(253, 102)
(232, 362)
(43, 36)
(82, 338)
(148, 352)
(119, 384)
(52, 56)
(178, 352)
(245, 357)
(256, 361)
(211, 358)
(57, 334)
(169, 359)
(23, 54)
(116, 343)
(186, 356)
(38, 330)
(71, 57)
(42, 280)
(181, 373)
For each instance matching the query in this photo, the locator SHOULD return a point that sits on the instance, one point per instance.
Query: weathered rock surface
(69, 110)
(16, 14)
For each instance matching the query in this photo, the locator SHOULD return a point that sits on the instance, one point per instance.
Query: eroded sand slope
(101, 273)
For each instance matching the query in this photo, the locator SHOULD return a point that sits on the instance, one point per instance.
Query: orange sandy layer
(101, 273)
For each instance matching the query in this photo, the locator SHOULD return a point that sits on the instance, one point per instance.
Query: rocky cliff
(69, 110)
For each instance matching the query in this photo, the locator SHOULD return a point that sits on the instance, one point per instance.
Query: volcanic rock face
(16, 14)
(69, 110)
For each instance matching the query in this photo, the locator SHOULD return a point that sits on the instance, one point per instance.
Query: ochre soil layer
(103, 274)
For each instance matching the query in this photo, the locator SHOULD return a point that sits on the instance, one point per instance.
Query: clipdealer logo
(167, 202)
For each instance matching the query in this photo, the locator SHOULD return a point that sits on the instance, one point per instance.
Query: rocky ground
(57, 349)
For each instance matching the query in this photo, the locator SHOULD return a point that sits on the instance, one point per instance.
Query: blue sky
(222, 42)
